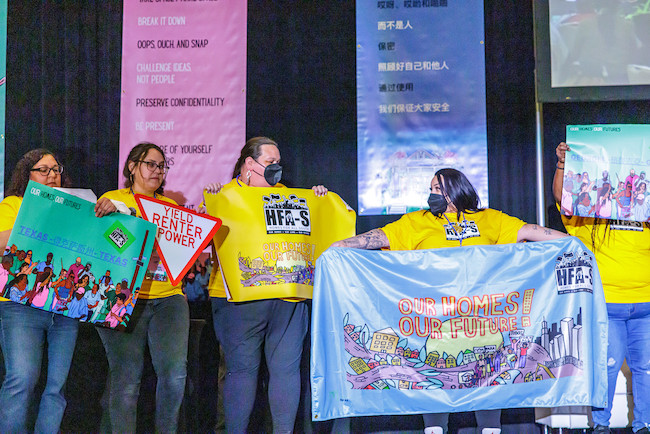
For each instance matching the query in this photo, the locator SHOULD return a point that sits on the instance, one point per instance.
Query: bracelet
(558, 167)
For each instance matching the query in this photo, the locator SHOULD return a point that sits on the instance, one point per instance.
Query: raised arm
(373, 239)
(558, 178)
(532, 232)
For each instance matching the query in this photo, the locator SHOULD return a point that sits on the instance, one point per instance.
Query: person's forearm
(558, 179)
(532, 232)
(4, 237)
(373, 239)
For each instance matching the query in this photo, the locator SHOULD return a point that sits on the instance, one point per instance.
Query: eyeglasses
(152, 166)
(44, 170)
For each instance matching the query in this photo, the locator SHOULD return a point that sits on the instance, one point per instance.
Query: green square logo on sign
(119, 236)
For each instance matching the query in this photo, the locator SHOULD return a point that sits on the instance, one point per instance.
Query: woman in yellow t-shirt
(454, 219)
(275, 327)
(160, 317)
(25, 330)
(621, 252)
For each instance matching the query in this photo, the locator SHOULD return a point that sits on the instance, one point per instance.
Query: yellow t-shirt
(150, 288)
(8, 211)
(422, 230)
(622, 252)
(216, 287)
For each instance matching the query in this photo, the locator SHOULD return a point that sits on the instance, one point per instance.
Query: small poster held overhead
(605, 172)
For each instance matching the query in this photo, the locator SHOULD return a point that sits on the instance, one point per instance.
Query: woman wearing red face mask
(25, 330)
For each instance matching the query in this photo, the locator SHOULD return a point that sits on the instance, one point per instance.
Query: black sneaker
(642, 431)
(601, 429)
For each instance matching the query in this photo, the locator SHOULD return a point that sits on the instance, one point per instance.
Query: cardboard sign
(182, 234)
(69, 262)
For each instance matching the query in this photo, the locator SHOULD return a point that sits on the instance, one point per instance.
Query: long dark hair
(455, 185)
(136, 155)
(253, 149)
(20, 175)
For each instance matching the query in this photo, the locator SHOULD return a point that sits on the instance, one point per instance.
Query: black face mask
(437, 203)
(272, 173)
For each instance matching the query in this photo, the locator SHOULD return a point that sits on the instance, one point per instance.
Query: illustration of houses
(396, 361)
(403, 384)
(450, 362)
(384, 341)
(399, 351)
(373, 364)
(468, 357)
(441, 363)
(432, 358)
(348, 328)
(358, 365)
(415, 354)
(257, 263)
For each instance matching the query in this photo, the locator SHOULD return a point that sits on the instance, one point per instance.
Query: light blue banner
(458, 329)
(420, 100)
(605, 172)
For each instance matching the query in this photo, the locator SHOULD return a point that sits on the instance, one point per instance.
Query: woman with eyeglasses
(160, 318)
(26, 330)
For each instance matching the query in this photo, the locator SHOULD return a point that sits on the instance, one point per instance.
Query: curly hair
(20, 175)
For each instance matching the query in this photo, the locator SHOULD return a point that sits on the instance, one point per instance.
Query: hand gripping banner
(457, 329)
(69, 262)
(270, 238)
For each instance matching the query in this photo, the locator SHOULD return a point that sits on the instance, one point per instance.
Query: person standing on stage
(275, 327)
(160, 319)
(25, 330)
(620, 249)
(454, 219)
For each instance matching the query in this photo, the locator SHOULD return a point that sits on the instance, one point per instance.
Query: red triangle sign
(182, 234)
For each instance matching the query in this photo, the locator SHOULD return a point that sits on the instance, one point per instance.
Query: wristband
(558, 167)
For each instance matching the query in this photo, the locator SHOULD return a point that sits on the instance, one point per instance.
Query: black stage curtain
(63, 93)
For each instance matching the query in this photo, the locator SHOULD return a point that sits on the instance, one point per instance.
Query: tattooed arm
(373, 239)
(530, 232)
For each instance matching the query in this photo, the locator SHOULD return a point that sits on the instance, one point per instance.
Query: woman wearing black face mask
(453, 219)
(243, 329)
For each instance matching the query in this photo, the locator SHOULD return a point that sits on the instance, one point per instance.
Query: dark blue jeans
(277, 328)
(24, 333)
(164, 324)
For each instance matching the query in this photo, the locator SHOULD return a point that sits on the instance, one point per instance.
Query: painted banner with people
(457, 329)
(420, 100)
(184, 88)
(270, 238)
(63, 259)
(605, 172)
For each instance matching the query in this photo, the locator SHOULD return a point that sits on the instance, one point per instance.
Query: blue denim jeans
(629, 338)
(245, 330)
(164, 324)
(24, 333)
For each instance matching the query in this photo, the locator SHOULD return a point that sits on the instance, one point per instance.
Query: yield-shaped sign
(182, 234)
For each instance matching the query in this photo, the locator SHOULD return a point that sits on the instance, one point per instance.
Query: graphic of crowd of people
(74, 292)
(623, 199)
